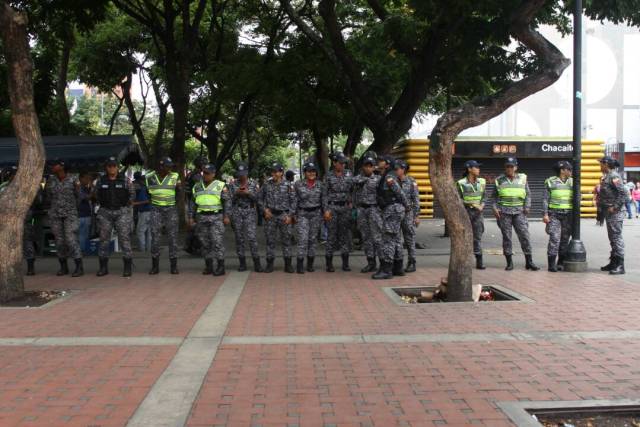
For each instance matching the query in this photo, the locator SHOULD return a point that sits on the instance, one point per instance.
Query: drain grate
(411, 295)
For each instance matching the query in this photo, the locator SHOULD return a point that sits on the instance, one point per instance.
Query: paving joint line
(170, 400)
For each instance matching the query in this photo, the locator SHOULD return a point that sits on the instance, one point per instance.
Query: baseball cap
(111, 161)
(386, 157)
(340, 157)
(369, 161)
(472, 164)
(608, 160)
(242, 169)
(57, 161)
(276, 166)
(511, 161)
(563, 164)
(166, 162)
(209, 168)
(399, 164)
(310, 166)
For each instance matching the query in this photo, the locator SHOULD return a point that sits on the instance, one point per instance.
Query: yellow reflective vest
(209, 198)
(472, 193)
(560, 193)
(512, 193)
(163, 193)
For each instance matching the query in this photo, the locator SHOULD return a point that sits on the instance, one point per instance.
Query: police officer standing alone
(472, 191)
(61, 191)
(611, 200)
(244, 195)
(163, 186)
(277, 203)
(115, 194)
(208, 212)
(369, 217)
(411, 218)
(557, 206)
(393, 203)
(512, 202)
(308, 202)
(338, 186)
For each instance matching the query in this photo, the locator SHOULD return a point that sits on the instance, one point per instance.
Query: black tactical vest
(113, 194)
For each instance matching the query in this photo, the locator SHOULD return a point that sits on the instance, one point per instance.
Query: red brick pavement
(329, 304)
(144, 305)
(76, 386)
(413, 385)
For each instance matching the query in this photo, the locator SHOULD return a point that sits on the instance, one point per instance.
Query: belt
(310, 209)
(209, 213)
(276, 211)
(338, 203)
(368, 205)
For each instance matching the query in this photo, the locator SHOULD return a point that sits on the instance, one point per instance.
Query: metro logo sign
(505, 149)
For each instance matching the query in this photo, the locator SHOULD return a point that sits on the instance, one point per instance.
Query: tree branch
(378, 9)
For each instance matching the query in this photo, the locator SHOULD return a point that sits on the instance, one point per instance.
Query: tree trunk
(354, 138)
(17, 198)
(322, 152)
(61, 84)
(461, 260)
(383, 141)
(136, 123)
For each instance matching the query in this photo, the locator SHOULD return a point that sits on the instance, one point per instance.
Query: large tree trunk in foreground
(444, 187)
(17, 198)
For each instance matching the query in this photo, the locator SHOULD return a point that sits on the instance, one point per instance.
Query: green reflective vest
(560, 193)
(472, 193)
(163, 193)
(209, 198)
(512, 193)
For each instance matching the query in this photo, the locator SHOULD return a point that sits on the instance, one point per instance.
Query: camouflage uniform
(337, 199)
(475, 215)
(244, 217)
(308, 208)
(393, 203)
(115, 213)
(63, 215)
(410, 189)
(513, 217)
(163, 216)
(613, 194)
(560, 222)
(279, 198)
(369, 215)
(210, 225)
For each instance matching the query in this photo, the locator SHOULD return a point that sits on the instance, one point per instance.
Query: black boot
(64, 268)
(31, 267)
(300, 265)
(370, 267)
(560, 263)
(619, 266)
(411, 266)
(208, 266)
(479, 262)
(310, 261)
(529, 265)
(219, 268)
(269, 267)
(345, 262)
(104, 267)
(155, 265)
(398, 268)
(384, 272)
(174, 266)
(79, 271)
(509, 259)
(243, 264)
(609, 266)
(256, 265)
(330, 268)
(553, 267)
(127, 267)
(287, 265)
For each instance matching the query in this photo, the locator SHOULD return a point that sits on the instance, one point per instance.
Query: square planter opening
(36, 299)
(587, 413)
(411, 295)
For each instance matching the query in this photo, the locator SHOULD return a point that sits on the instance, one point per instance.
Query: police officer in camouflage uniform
(512, 201)
(338, 187)
(61, 192)
(369, 215)
(611, 200)
(557, 208)
(244, 193)
(28, 235)
(393, 203)
(115, 194)
(412, 215)
(192, 245)
(208, 212)
(308, 208)
(163, 186)
(472, 190)
(277, 202)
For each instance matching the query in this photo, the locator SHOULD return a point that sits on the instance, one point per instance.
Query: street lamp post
(576, 260)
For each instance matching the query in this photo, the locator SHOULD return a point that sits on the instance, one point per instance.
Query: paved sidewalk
(317, 349)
